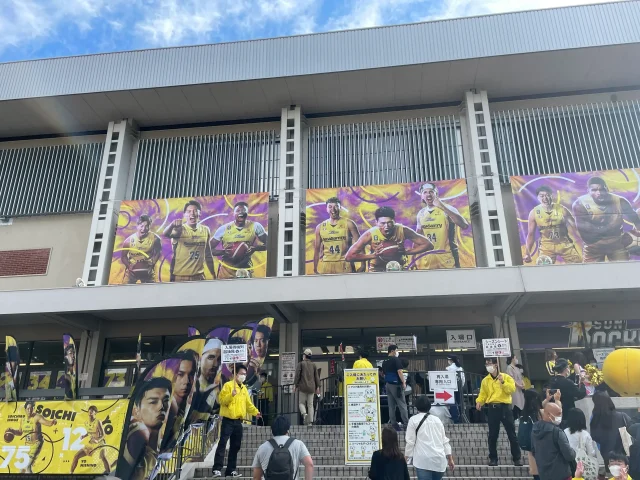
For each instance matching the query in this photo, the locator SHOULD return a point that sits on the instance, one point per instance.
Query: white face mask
(491, 368)
(521, 371)
(615, 470)
(242, 378)
(557, 420)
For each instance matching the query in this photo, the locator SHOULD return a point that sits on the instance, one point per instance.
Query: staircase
(326, 446)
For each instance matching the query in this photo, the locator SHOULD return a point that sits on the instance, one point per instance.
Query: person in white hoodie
(427, 443)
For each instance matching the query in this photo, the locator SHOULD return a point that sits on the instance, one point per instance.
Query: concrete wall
(65, 235)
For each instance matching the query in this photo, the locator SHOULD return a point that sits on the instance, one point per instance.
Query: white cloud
(371, 13)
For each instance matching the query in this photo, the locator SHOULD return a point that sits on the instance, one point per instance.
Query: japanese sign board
(444, 397)
(362, 415)
(234, 353)
(457, 339)
(600, 354)
(496, 347)
(403, 343)
(445, 380)
(287, 368)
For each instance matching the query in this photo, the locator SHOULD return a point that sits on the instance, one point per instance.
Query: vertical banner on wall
(157, 411)
(138, 358)
(69, 379)
(190, 239)
(209, 381)
(421, 226)
(11, 366)
(582, 217)
(362, 415)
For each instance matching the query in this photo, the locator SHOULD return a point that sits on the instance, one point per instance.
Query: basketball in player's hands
(388, 250)
(237, 251)
(8, 437)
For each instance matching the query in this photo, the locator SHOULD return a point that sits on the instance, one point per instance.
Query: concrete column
(95, 352)
(290, 340)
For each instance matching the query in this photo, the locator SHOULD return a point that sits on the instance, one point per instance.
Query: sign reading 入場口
(362, 415)
(496, 347)
(234, 353)
(403, 343)
(444, 380)
(457, 339)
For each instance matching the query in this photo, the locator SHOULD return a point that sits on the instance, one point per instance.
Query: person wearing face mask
(396, 386)
(550, 446)
(618, 467)
(570, 392)
(455, 366)
(517, 398)
(525, 379)
(495, 392)
(235, 402)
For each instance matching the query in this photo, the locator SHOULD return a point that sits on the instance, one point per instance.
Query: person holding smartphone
(495, 393)
(570, 391)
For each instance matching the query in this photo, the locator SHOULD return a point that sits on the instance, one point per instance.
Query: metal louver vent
(396, 151)
(49, 179)
(574, 138)
(245, 162)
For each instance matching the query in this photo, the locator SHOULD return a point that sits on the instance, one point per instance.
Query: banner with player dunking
(582, 217)
(191, 239)
(419, 226)
(80, 437)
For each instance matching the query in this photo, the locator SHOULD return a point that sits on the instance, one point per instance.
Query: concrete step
(360, 472)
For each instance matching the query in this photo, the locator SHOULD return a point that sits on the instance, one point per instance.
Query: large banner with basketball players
(79, 437)
(408, 226)
(581, 217)
(191, 239)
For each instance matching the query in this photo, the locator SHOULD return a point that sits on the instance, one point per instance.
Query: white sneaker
(216, 473)
(234, 474)
(304, 418)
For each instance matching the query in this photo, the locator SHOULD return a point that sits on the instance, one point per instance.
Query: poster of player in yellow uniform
(578, 217)
(421, 226)
(58, 437)
(191, 239)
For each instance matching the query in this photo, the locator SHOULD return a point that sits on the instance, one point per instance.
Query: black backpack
(280, 462)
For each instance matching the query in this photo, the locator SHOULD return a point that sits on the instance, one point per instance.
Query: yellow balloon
(621, 371)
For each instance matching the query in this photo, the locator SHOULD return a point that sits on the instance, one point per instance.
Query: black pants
(516, 412)
(230, 429)
(501, 413)
(263, 406)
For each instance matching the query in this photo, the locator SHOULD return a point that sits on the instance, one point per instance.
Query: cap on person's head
(281, 426)
(307, 352)
(392, 348)
(561, 365)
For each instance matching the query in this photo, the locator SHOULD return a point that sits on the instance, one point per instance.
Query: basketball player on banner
(386, 242)
(240, 239)
(438, 221)
(141, 252)
(333, 238)
(552, 220)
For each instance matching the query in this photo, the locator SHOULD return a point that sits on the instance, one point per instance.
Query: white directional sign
(445, 380)
(287, 368)
(444, 397)
(403, 343)
(234, 353)
(461, 339)
(496, 347)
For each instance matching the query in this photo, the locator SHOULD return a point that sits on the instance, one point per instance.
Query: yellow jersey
(552, 224)
(231, 233)
(335, 240)
(143, 248)
(377, 237)
(140, 468)
(492, 391)
(608, 215)
(29, 430)
(92, 431)
(436, 225)
(362, 363)
(188, 250)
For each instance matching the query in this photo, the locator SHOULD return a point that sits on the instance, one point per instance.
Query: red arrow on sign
(443, 396)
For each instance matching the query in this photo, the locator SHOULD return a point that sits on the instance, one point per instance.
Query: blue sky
(31, 29)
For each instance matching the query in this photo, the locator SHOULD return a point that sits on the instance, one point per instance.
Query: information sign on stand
(496, 347)
(362, 415)
(444, 397)
(234, 353)
(444, 380)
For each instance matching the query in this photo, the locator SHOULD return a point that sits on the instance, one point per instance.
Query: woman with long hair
(517, 397)
(530, 415)
(389, 463)
(605, 425)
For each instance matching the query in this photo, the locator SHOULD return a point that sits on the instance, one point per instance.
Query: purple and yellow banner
(421, 226)
(12, 363)
(68, 379)
(191, 239)
(582, 217)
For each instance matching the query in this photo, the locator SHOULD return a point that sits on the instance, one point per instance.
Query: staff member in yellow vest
(238, 240)
(191, 249)
(552, 220)
(363, 359)
(600, 216)
(438, 221)
(235, 403)
(334, 236)
(265, 397)
(495, 393)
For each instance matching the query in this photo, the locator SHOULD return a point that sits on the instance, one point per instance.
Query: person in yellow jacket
(363, 361)
(495, 394)
(235, 403)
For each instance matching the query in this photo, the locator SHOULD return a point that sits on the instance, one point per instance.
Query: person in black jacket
(605, 425)
(389, 463)
(569, 390)
(634, 451)
(550, 445)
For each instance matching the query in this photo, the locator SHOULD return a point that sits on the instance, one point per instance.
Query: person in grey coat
(550, 446)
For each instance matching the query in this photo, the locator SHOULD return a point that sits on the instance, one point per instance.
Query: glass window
(172, 342)
(48, 354)
(123, 350)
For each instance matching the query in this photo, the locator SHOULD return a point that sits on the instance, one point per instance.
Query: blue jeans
(428, 474)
